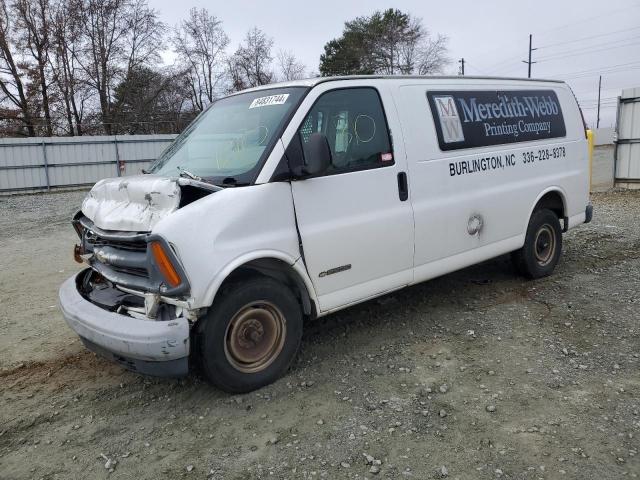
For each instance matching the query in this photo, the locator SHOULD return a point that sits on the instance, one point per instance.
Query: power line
(594, 73)
(474, 67)
(595, 102)
(498, 65)
(505, 64)
(595, 107)
(586, 50)
(600, 45)
(635, 62)
(588, 38)
(498, 69)
(607, 89)
(596, 17)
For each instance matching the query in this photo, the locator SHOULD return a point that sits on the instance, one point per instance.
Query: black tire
(542, 246)
(260, 314)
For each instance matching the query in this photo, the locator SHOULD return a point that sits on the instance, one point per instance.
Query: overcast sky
(576, 40)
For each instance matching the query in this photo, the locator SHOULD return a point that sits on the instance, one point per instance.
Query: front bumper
(146, 346)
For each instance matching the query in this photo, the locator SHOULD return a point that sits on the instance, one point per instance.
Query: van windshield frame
(177, 161)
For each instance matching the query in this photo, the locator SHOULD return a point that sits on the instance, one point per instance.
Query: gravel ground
(474, 375)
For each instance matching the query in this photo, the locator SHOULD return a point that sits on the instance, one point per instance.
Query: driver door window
(353, 121)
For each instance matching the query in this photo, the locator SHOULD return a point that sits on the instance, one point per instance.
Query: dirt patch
(475, 375)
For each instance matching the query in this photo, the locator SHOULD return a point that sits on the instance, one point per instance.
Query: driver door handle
(403, 187)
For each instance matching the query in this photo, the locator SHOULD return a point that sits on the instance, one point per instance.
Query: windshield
(228, 142)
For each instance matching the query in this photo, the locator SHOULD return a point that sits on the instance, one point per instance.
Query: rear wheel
(251, 335)
(542, 247)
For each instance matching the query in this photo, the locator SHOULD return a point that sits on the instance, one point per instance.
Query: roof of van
(312, 82)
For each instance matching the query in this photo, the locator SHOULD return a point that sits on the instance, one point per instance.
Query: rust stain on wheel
(545, 245)
(255, 337)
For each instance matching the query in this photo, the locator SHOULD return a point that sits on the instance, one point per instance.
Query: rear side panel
(469, 198)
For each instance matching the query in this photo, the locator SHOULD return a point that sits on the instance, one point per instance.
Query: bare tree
(200, 44)
(145, 35)
(237, 80)
(432, 55)
(79, 67)
(12, 85)
(289, 66)
(174, 102)
(250, 66)
(66, 73)
(114, 31)
(101, 23)
(420, 53)
(33, 22)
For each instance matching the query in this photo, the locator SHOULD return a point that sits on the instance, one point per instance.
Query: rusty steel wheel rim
(545, 245)
(255, 337)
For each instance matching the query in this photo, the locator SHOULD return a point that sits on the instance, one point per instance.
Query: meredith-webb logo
(449, 119)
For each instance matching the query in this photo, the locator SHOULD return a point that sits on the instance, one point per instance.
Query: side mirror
(317, 155)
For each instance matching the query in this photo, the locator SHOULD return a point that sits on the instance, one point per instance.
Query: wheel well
(552, 201)
(279, 270)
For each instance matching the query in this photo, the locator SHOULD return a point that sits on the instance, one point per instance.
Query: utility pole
(529, 62)
(599, 88)
(461, 71)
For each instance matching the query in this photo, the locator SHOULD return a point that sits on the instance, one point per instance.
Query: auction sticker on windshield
(270, 100)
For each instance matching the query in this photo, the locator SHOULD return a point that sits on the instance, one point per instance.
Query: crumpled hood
(133, 203)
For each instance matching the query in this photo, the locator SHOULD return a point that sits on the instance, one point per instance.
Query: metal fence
(45, 163)
(627, 152)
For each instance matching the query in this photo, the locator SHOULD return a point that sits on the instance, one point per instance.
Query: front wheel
(542, 246)
(251, 335)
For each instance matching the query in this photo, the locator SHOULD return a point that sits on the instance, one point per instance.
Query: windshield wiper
(188, 174)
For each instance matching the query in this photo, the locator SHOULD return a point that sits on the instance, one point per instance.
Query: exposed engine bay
(133, 271)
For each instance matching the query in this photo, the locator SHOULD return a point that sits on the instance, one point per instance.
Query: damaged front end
(137, 274)
(134, 271)
(132, 305)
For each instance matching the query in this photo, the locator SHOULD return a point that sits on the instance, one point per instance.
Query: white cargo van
(291, 201)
